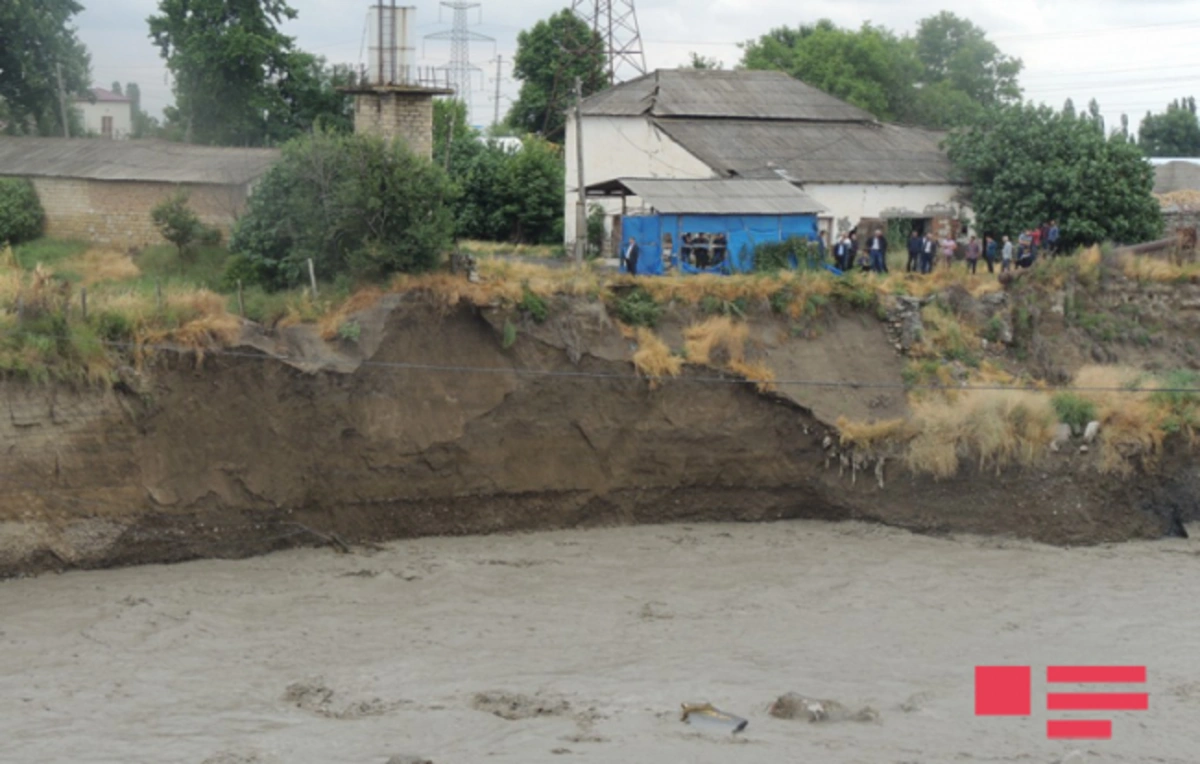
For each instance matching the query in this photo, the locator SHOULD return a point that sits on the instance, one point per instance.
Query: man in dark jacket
(877, 247)
(928, 250)
(914, 252)
(631, 257)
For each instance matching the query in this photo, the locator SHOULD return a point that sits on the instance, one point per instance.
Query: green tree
(177, 223)
(116, 88)
(355, 204)
(224, 55)
(549, 57)
(21, 214)
(144, 126)
(1028, 164)
(308, 97)
(945, 75)
(35, 37)
(1174, 133)
(869, 67)
(955, 52)
(697, 61)
(513, 195)
(455, 142)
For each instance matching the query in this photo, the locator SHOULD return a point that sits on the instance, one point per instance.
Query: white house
(693, 124)
(106, 114)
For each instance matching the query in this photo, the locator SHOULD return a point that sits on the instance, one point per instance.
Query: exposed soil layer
(429, 426)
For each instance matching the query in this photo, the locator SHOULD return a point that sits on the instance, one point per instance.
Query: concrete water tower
(394, 98)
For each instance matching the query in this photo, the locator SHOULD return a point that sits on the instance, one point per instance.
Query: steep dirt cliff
(429, 425)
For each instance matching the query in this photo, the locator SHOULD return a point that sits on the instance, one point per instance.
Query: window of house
(703, 250)
(106, 127)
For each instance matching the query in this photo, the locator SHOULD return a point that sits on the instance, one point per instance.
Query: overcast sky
(1131, 55)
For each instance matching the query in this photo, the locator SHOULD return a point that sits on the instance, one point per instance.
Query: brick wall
(408, 116)
(117, 213)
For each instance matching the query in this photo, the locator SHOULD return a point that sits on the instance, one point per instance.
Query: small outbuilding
(103, 191)
(715, 225)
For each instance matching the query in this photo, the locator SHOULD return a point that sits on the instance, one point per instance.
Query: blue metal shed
(709, 226)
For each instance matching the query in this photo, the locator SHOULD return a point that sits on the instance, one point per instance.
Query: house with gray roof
(102, 191)
(757, 125)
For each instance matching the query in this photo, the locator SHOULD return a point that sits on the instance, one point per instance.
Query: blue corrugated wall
(743, 232)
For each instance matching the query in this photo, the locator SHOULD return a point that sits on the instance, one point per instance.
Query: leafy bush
(512, 195)
(350, 331)
(114, 327)
(510, 334)
(1074, 409)
(595, 230)
(354, 204)
(21, 214)
(638, 308)
(177, 222)
(534, 305)
(777, 256)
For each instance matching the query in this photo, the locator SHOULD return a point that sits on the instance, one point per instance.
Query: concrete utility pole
(62, 102)
(499, 70)
(581, 212)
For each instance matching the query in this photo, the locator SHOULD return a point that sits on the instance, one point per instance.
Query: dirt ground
(582, 646)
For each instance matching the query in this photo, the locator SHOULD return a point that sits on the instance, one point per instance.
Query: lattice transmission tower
(459, 70)
(616, 23)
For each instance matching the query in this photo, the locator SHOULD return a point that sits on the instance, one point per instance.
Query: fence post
(20, 308)
(241, 301)
(83, 301)
(158, 295)
(312, 276)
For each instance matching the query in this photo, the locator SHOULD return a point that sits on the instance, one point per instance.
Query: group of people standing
(847, 255)
(924, 251)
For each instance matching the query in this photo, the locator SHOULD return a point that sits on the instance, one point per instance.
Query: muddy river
(581, 646)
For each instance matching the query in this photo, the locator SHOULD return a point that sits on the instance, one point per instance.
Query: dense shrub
(638, 308)
(355, 204)
(512, 196)
(177, 222)
(1073, 409)
(21, 215)
(777, 256)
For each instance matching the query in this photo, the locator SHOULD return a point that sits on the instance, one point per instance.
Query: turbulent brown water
(596, 637)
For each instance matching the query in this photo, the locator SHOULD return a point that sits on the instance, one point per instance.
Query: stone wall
(117, 213)
(393, 114)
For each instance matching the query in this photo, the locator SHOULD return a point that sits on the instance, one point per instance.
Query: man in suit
(631, 257)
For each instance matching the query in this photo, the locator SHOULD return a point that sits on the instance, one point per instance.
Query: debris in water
(704, 715)
(796, 706)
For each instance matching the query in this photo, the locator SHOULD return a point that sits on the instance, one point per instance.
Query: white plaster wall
(623, 147)
(855, 202)
(121, 113)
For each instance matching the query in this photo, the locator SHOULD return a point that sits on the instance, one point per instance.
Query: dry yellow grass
(1131, 424)
(1143, 268)
(918, 285)
(654, 359)
(329, 324)
(757, 372)
(718, 334)
(995, 429)
(871, 436)
(101, 265)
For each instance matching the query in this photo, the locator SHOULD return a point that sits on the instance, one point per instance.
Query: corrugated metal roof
(738, 94)
(1178, 175)
(152, 161)
(814, 152)
(100, 95)
(722, 196)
